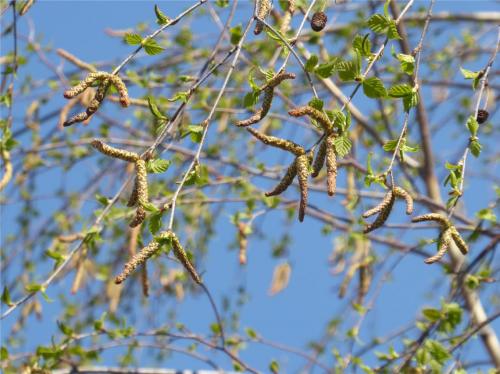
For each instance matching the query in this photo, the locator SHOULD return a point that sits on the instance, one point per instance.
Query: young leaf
(378, 23)
(342, 145)
(152, 47)
(133, 39)
(6, 297)
(374, 88)
(153, 108)
(400, 90)
(155, 222)
(472, 125)
(475, 147)
(327, 69)
(392, 31)
(158, 166)
(311, 63)
(236, 34)
(161, 18)
(407, 63)
(362, 44)
(410, 101)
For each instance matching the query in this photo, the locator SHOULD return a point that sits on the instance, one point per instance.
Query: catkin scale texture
(183, 258)
(319, 161)
(303, 174)
(139, 259)
(114, 152)
(263, 9)
(386, 207)
(315, 114)
(331, 165)
(273, 141)
(286, 181)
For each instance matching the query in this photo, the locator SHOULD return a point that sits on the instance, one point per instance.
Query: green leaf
(327, 69)
(250, 99)
(431, 314)
(101, 199)
(222, 3)
(196, 132)
(437, 351)
(392, 31)
(182, 96)
(155, 222)
(338, 118)
(153, 108)
(251, 81)
(65, 329)
(469, 74)
(475, 147)
(6, 297)
(410, 101)
(378, 23)
(400, 90)
(342, 145)
(4, 353)
(362, 44)
(472, 125)
(161, 18)
(158, 165)
(274, 367)
(486, 214)
(374, 88)
(236, 34)
(316, 103)
(33, 287)
(152, 47)
(311, 63)
(251, 333)
(150, 207)
(133, 39)
(390, 145)
(348, 70)
(407, 63)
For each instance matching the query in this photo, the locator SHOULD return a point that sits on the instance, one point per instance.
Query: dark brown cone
(482, 116)
(318, 21)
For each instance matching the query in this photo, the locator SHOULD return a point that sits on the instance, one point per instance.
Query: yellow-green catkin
(302, 163)
(317, 115)
(85, 83)
(442, 220)
(457, 238)
(94, 105)
(385, 210)
(331, 165)
(377, 209)
(142, 192)
(263, 9)
(444, 244)
(122, 90)
(268, 89)
(132, 201)
(319, 161)
(273, 141)
(183, 258)
(138, 259)
(287, 17)
(401, 193)
(114, 152)
(286, 181)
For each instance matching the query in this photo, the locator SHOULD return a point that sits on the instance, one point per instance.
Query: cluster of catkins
(105, 81)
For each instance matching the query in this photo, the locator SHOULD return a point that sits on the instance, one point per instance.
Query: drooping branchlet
(114, 152)
(448, 234)
(263, 9)
(273, 141)
(268, 89)
(136, 260)
(318, 21)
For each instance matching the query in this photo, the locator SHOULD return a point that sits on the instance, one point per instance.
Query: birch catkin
(138, 259)
(142, 192)
(444, 244)
(319, 161)
(317, 115)
(183, 258)
(263, 9)
(85, 83)
(385, 209)
(331, 165)
(114, 152)
(405, 195)
(273, 141)
(303, 173)
(377, 209)
(268, 89)
(286, 181)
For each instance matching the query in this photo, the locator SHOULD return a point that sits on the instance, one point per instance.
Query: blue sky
(298, 314)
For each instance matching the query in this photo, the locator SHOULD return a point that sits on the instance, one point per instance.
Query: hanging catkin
(183, 258)
(138, 259)
(142, 192)
(302, 174)
(273, 141)
(263, 9)
(114, 152)
(317, 115)
(383, 210)
(331, 164)
(286, 181)
(444, 244)
(268, 89)
(319, 161)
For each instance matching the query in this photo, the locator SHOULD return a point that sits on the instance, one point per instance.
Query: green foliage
(133, 39)
(374, 88)
(151, 47)
(161, 18)
(158, 165)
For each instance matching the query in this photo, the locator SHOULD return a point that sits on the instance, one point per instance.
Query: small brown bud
(318, 21)
(482, 116)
